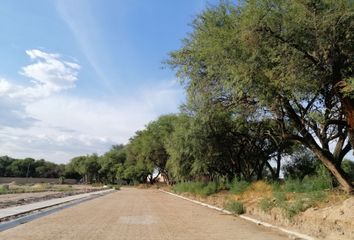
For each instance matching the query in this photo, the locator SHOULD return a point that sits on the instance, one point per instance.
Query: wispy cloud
(86, 32)
(49, 73)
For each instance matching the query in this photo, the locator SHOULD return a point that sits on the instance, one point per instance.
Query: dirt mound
(334, 222)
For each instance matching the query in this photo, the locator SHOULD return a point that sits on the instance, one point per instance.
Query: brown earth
(16, 199)
(331, 220)
(139, 214)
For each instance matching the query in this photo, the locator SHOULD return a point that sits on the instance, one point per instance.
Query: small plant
(235, 207)
(266, 204)
(114, 186)
(61, 180)
(210, 188)
(199, 188)
(280, 198)
(292, 209)
(4, 190)
(239, 187)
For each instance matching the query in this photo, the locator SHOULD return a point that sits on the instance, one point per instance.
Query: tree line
(270, 88)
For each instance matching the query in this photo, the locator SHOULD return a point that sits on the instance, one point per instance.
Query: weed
(114, 186)
(239, 187)
(280, 198)
(293, 208)
(199, 188)
(266, 204)
(4, 190)
(235, 207)
(309, 184)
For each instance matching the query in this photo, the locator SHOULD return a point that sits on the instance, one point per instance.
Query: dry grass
(257, 190)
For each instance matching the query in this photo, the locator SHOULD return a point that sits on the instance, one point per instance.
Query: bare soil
(139, 214)
(16, 199)
(333, 220)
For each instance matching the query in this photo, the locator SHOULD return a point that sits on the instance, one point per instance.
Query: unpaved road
(139, 214)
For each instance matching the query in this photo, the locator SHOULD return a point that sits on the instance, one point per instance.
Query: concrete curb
(292, 233)
(22, 209)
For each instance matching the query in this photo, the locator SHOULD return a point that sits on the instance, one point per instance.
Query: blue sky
(79, 76)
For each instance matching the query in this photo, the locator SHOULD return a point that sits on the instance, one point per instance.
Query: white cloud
(72, 126)
(34, 122)
(48, 74)
(5, 87)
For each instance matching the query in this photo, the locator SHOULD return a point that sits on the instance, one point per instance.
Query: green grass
(295, 196)
(199, 188)
(3, 190)
(307, 185)
(238, 187)
(235, 207)
(114, 186)
(266, 204)
(31, 188)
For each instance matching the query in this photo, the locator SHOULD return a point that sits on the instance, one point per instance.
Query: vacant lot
(139, 214)
(14, 194)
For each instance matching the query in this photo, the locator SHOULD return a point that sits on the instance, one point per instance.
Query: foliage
(235, 207)
(270, 59)
(348, 167)
(238, 187)
(266, 204)
(199, 188)
(302, 163)
(28, 167)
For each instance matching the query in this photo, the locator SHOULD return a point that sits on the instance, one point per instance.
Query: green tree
(110, 163)
(289, 60)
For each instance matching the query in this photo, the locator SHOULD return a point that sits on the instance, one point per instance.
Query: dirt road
(139, 214)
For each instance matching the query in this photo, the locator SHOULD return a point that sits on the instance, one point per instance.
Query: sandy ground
(139, 214)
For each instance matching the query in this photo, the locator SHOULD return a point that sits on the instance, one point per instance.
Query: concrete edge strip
(265, 224)
(84, 195)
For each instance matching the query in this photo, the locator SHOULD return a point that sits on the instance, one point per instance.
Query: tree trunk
(325, 157)
(348, 107)
(277, 174)
(337, 171)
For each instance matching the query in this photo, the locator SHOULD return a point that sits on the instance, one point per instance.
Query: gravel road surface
(134, 214)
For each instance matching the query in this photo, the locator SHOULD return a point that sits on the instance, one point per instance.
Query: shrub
(61, 180)
(266, 204)
(292, 209)
(348, 167)
(199, 188)
(235, 207)
(238, 187)
(114, 186)
(280, 198)
(210, 188)
(308, 185)
(3, 190)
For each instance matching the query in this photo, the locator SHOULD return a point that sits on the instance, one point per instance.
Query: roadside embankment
(323, 214)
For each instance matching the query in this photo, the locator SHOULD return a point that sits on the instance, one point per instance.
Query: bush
(4, 190)
(199, 188)
(348, 167)
(114, 186)
(266, 204)
(310, 184)
(235, 207)
(61, 180)
(292, 209)
(210, 188)
(280, 198)
(238, 187)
